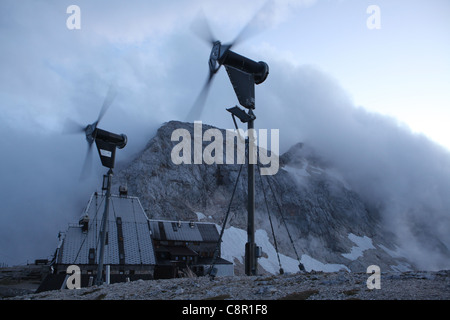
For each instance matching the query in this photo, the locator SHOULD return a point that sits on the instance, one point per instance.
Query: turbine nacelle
(222, 55)
(106, 143)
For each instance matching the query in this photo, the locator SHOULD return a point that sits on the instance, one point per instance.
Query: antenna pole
(104, 230)
(250, 246)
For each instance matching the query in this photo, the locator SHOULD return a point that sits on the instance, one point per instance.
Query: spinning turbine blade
(201, 28)
(199, 104)
(110, 96)
(87, 165)
(73, 127)
(253, 26)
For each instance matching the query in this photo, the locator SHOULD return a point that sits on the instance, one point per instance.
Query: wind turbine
(244, 73)
(106, 143)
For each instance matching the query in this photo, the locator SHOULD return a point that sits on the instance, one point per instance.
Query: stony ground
(20, 280)
(312, 286)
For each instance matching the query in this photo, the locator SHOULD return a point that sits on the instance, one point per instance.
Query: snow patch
(233, 242)
(233, 247)
(362, 244)
(200, 216)
(270, 264)
(313, 264)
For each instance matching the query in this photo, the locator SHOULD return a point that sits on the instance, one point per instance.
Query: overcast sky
(333, 81)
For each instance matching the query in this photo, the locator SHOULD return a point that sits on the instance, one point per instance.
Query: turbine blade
(201, 28)
(110, 96)
(199, 104)
(254, 25)
(87, 165)
(73, 127)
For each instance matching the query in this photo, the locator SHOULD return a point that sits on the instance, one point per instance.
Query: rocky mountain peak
(325, 218)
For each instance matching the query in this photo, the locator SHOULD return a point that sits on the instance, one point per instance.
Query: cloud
(403, 174)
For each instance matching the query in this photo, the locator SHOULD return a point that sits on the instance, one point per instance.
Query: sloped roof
(134, 228)
(184, 231)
